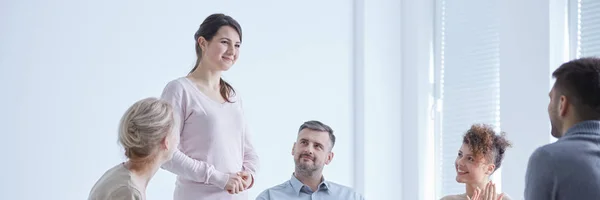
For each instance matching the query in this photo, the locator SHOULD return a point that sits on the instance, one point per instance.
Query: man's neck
(312, 180)
(568, 123)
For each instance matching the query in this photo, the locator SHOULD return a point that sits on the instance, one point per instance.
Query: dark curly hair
(483, 141)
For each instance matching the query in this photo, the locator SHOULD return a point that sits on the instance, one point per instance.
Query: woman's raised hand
(489, 193)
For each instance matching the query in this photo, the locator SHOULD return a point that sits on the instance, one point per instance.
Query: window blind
(588, 34)
(468, 83)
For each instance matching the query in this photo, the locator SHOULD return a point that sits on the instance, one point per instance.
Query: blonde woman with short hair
(148, 133)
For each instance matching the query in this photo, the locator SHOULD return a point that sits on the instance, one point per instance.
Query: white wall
(524, 66)
(417, 60)
(71, 68)
(532, 45)
(382, 75)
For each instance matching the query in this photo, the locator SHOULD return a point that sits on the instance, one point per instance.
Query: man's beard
(306, 168)
(556, 129)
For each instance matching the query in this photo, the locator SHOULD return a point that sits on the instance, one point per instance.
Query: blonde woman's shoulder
(455, 197)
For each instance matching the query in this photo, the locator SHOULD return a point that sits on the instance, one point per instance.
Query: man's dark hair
(579, 81)
(318, 126)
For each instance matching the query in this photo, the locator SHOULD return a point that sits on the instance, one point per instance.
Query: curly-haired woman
(478, 158)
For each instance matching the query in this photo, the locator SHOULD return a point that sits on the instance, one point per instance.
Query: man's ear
(329, 158)
(563, 105)
(293, 148)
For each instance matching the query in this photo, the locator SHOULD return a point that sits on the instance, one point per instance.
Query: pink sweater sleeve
(181, 164)
(250, 157)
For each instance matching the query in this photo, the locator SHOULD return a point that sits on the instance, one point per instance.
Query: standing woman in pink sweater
(215, 158)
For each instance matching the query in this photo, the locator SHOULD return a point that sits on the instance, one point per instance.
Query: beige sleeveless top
(115, 184)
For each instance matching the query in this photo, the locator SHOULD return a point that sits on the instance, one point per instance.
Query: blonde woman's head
(148, 132)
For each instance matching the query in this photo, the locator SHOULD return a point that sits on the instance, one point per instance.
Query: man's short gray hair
(318, 126)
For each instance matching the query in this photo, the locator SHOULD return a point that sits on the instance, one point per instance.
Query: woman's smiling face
(469, 168)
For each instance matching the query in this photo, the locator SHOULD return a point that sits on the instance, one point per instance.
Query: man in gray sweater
(570, 167)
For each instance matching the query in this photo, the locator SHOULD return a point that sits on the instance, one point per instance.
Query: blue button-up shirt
(295, 190)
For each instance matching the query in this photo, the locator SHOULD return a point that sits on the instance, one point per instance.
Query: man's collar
(584, 127)
(297, 185)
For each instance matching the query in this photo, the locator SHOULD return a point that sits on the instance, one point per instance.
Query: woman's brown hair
(483, 141)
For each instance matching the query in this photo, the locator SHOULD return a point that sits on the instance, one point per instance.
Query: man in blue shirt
(570, 167)
(311, 151)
